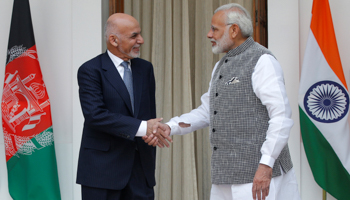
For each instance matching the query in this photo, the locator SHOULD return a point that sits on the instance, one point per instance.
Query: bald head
(117, 22)
(123, 36)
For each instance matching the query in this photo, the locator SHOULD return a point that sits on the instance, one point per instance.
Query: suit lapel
(112, 75)
(137, 84)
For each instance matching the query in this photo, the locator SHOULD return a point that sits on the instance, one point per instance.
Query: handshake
(158, 134)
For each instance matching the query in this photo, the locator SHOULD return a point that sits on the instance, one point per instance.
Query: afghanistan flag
(324, 106)
(26, 116)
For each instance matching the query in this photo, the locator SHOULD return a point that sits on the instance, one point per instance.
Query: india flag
(324, 106)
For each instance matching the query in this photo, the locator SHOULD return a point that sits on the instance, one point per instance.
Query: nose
(210, 34)
(140, 40)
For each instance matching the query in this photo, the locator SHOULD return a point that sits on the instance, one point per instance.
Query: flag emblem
(19, 51)
(326, 102)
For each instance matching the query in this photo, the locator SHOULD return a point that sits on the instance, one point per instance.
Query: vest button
(220, 77)
(215, 148)
(213, 130)
(226, 61)
(215, 112)
(216, 94)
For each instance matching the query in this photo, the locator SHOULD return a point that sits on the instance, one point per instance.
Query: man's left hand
(261, 182)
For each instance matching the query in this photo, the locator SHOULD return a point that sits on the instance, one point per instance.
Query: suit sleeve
(142, 131)
(97, 115)
(153, 93)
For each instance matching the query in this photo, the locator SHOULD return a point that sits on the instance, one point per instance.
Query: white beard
(134, 55)
(223, 44)
(130, 54)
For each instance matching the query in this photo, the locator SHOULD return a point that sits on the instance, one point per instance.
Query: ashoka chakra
(326, 101)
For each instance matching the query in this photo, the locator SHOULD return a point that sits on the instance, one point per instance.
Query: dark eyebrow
(135, 34)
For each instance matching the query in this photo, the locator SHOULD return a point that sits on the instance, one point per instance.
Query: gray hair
(236, 14)
(109, 29)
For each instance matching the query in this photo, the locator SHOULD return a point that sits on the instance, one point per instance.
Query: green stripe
(326, 167)
(34, 177)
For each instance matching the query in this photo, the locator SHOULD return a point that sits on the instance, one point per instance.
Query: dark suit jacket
(108, 142)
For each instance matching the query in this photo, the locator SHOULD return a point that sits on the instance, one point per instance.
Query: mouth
(137, 49)
(213, 43)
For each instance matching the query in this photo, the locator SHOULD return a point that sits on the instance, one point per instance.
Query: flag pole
(324, 195)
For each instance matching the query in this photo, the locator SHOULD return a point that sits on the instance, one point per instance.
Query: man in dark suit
(117, 96)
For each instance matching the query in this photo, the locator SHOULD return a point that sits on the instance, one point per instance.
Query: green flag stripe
(34, 177)
(326, 167)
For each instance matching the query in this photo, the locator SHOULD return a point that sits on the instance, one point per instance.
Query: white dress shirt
(117, 61)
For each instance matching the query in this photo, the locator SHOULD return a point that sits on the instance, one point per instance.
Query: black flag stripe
(21, 31)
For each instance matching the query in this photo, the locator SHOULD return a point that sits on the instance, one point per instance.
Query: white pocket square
(233, 80)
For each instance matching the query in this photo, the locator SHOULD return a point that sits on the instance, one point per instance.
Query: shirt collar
(115, 59)
(241, 48)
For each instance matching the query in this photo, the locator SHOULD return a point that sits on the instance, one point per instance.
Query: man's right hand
(261, 182)
(157, 133)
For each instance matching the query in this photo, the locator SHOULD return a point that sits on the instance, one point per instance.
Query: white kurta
(284, 187)
(268, 85)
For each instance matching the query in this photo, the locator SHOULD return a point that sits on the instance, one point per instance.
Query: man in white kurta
(230, 32)
(273, 95)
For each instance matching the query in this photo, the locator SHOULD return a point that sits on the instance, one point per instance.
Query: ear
(234, 30)
(113, 40)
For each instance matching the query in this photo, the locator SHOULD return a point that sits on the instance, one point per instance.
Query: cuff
(142, 129)
(267, 160)
(173, 127)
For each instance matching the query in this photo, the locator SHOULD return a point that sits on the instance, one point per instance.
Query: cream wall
(283, 34)
(68, 32)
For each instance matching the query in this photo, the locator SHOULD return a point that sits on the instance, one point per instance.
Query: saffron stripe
(322, 28)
